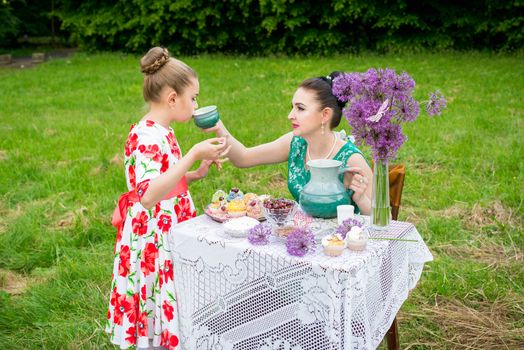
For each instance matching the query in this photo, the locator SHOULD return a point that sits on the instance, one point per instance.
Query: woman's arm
(359, 179)
(240, 156)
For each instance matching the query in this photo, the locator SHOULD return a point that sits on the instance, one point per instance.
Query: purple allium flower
(347, 85)
(300, 242)
(366, 92)
(346, 226)
(435, 104)
(259, 235)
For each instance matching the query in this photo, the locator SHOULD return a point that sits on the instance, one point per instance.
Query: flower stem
(393, 239)
(381, 210)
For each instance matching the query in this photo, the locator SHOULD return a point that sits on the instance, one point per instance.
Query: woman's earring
(322, 128)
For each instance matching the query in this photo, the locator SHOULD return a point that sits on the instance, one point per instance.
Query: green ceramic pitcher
(324, 191)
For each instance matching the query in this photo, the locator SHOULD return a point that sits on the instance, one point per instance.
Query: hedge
(292, 26)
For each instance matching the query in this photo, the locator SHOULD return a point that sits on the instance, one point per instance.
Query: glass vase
(380, 207)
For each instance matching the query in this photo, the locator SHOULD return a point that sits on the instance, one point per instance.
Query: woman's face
(186, 102)
(306, 115)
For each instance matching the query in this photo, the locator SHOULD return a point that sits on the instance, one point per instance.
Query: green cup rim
(204, 111)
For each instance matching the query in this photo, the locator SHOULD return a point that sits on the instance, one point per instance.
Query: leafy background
(260, 27)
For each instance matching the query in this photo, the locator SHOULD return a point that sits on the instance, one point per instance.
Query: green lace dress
(299, 176)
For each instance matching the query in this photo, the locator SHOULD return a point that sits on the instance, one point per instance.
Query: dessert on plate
(235, 204)
(254, 209)
(239, 227)
(218, 204)
(219, 196)
(236, 208)
(249, 196)
(218, 209)
(235, 193)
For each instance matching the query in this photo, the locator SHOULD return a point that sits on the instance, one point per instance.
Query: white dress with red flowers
(143, 301)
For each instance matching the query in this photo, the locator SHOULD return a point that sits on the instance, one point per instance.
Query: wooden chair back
(397, 173)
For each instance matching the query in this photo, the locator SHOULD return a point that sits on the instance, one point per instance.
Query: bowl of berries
(278, 211)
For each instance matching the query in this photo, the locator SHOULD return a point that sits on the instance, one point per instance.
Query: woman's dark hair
(322, 86)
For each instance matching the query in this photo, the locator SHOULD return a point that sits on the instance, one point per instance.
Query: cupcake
(253, 209)
(249, 196)
(355, 239)
(236, 208)
(218, 196)
(218, 209)
(333, 245)
(235, 193)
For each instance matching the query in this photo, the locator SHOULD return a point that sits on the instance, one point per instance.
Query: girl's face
(186, 103)
(306, 116)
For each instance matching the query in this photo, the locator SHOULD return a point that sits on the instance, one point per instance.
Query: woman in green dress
(315, 113)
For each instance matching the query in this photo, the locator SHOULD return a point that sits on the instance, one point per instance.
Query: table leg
(392, 336)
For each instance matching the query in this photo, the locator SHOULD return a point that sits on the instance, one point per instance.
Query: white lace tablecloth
(234, 295)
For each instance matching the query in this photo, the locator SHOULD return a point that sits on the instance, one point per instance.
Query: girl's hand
(355, 180)
(211, 149)
(206, 164)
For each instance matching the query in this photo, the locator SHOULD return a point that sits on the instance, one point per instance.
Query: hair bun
(154, 60)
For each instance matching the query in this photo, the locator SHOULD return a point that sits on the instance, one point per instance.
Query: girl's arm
(161, 185)
(240, 156)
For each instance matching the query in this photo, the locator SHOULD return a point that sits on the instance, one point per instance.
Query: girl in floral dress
(143, 304)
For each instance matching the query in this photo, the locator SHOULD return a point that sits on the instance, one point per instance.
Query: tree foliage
(288, 26)
(31, 18)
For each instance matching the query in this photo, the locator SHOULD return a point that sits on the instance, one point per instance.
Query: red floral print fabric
(142, 304)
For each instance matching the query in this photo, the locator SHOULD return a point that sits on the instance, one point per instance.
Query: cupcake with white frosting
(356, 239)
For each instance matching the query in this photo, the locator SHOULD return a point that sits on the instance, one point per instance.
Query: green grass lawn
(63, 126)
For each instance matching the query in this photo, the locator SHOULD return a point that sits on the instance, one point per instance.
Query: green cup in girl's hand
(206, 117)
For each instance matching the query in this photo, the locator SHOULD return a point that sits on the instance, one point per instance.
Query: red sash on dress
(128, 199)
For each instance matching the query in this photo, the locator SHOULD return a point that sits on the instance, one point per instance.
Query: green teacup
(206, 117)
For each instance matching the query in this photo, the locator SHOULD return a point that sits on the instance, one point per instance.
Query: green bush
(20, 18)
(280, 26)
(10, 23)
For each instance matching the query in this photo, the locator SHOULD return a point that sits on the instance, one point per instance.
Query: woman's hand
(219, 129)
(211, 149)
(355, 180)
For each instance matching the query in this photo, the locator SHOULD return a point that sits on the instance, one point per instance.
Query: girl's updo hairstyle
(160, 70)
(322, 86)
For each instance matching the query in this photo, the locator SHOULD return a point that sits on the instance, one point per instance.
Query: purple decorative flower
(300, 242)
(375, 122)
(346, 226)
(259, 235)
(435, 104)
